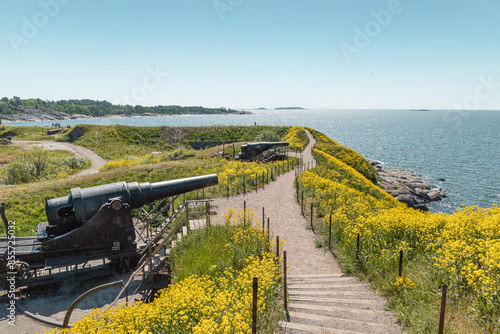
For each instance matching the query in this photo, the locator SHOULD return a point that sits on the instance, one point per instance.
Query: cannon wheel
(22, 269)
(122, 265)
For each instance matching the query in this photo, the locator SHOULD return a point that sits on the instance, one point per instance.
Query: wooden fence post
(443, 308)
(400, 263)
(330, 235)
(277, 246)
(263, 220)
(244, 213)
(312, 210)
(208, 214)
(268, 235)
(285, 288)
(357, 248)
(256, 182)
(255, 288)
(297, 186)
(302, 203)
(244, 185)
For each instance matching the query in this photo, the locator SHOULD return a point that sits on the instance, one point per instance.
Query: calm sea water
(461, 147)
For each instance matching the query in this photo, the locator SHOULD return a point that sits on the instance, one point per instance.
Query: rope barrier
(350, 252)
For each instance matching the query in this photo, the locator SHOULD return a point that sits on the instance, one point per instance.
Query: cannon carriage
(263, 151)
(90, 224)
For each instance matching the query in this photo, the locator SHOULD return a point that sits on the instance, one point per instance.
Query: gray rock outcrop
(407, 187)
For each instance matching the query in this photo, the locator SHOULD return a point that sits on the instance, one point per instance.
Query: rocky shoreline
(407, 187)
(36, 115)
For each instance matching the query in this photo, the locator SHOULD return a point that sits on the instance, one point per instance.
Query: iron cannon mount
(90, 224)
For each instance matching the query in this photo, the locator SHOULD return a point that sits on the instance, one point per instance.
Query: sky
(342, 54)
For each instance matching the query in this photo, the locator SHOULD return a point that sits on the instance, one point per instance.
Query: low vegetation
(461, 249)
(25, 203)
(213, 270)
(37, 164)
(117, 142)
(297, 138)
(96, 108)
(30, 133)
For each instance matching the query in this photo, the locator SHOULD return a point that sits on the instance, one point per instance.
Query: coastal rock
(31, 114)
(407, 187)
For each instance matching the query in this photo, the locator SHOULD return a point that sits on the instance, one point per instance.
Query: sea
(460, 147)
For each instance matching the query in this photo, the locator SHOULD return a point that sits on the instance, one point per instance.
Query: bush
(38, 165)
(267, 135)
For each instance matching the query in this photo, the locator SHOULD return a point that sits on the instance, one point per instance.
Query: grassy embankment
(26, 165)
(461, 249)
(24, 203)
(213, 269)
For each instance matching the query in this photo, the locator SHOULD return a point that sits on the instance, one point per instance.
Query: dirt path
(322, 299)
(286, 221)
(96, 161)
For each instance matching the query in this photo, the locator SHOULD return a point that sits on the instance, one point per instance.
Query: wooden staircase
(335, 303)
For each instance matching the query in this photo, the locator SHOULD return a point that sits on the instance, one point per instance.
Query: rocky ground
(31, 115)
(407, 187)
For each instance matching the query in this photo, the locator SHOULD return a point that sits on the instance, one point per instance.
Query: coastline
(407, 187)
(61, 116)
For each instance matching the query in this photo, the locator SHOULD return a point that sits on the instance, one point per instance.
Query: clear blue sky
(254, 53)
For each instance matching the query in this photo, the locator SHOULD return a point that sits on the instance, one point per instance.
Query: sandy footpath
(96, 161)
(286, 221)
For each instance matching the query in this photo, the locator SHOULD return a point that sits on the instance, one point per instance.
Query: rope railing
(360, 259)
(257, 179)
(278, 255)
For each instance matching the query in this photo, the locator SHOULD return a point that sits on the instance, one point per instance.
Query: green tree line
(96, 108)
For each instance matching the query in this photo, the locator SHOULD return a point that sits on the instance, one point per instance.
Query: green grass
(34, 133)
(215, 251)
(25, 203)
(215, 246)
(116, 142)
(34, 164)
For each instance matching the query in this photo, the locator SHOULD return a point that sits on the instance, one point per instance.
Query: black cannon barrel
(264, 145)
(84, 203)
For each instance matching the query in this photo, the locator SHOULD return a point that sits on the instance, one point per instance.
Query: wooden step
(332, 300)
(322, 280)
(333, 322)
(316, 276)
(337, 310)
(197, 224)
(326, 286)
(324, 293)
(314, 329)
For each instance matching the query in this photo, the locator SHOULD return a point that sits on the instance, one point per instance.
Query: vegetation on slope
(345, 154)
(213, 269)
(96, 108)
(24, 203)
(38, 165)
(116, 142)
(461, 249)
(30, 133)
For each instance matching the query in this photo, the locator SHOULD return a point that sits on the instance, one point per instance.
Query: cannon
(93, 223)
(262, 151)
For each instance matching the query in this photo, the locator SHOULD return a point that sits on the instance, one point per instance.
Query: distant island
(261, 108)
(289, 108)
(25, 110)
